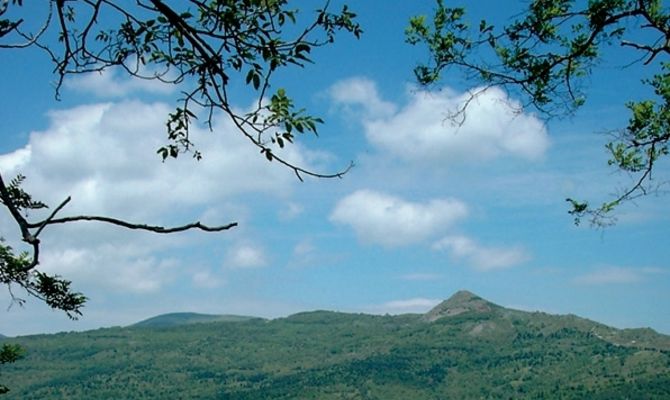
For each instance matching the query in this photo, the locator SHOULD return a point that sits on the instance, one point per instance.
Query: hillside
(461, 302)
(176, 319)
(464, 348)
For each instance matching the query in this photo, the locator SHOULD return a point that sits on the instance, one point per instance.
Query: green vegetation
(473, 349)
(547, 54)
(9, 353)
(175, 319)
(201, 47)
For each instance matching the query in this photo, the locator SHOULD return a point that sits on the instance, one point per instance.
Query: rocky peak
(461, 302)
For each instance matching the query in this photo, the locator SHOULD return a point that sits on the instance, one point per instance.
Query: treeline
(324, 355)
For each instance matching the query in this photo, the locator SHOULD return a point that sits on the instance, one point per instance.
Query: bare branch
(51, 217)
(30, 39)
(134, 226)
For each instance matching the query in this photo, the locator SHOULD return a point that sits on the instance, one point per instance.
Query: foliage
(546, 55)
(9, 353)
(176, 319)
(18, 269)
(496, 353)
(200, 46)
(203, 47)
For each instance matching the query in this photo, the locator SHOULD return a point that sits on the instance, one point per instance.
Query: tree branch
(134, 226)
(33, 240)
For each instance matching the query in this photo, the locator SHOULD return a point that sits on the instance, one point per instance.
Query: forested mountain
(466, 347)
(186, 318)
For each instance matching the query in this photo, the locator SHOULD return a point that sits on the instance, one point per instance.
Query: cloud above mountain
(422, 131)
(391, 221)
(483, 258)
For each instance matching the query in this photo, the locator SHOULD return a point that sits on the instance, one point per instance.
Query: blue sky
(426, 211)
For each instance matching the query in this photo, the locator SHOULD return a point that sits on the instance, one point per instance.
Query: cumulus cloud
(118, 268)
(360, 94)
(104, 157)
(391, 221)
(481, 257)
(616, 275)
(245, 257)
(108, 84)
(11, 161)
(421, 132)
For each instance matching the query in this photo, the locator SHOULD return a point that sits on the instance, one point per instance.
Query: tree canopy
(546, 55)
(201, 47)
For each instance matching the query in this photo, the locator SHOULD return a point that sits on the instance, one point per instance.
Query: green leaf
(257, 81)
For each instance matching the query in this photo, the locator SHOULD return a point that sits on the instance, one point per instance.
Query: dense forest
(465, 347)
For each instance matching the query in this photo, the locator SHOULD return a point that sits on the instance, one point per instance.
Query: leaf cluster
(19, 269)
(20, 198)
(546, 55)
(15, 269)
(7, 26)
(202, 47)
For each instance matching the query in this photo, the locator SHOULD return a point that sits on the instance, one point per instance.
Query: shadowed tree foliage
(546, 55)
(9, 353)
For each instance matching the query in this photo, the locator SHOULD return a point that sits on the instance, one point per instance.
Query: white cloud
(616, 275)
(421, 132)
(304, 249)
(360, 94)
(118, 268)
(207, 280)
(413, 305)
(481, 257)
(391, 221)
(245, 256)
(290, 211)
(107, 84)
(305, 254)
(14, 160)
(104, 156)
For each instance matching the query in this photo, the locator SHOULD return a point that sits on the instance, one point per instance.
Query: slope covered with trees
(471, 349)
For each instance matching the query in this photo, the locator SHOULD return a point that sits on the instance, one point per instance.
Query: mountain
(464, 348)
(187, 318)
(461, 302)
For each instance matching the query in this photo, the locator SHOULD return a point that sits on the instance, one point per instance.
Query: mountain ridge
(187, 318)
(460, 302)
(465, 347)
